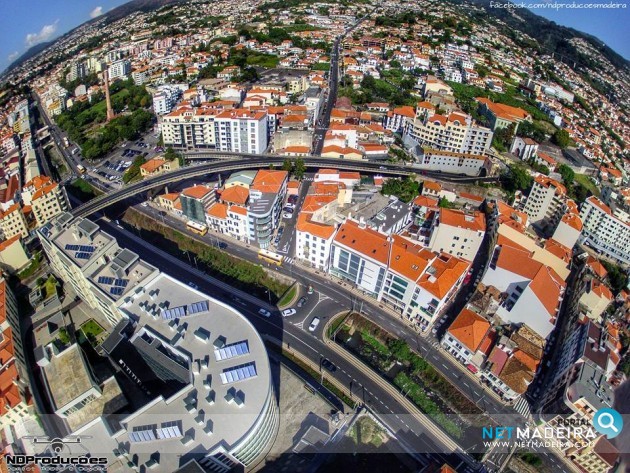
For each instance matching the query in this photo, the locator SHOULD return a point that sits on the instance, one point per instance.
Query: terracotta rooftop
(458, 218)
(197, 192)
(368, 242)
(470, 329)
(235, 195)
(269, 181)
(442, 274)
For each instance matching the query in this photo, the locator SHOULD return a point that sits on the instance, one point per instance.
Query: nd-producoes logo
(55, 456)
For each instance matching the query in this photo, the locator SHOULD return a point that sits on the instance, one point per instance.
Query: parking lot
(115, 165)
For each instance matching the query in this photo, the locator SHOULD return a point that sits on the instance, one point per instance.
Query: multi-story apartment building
(198, 358)
(241, 131)
(456, 133)
(500, 115)
(13, 222)
(266, 196)
(189, 128)
(533, 290)
(195, 202)
(165, 99)
(455, 163)
(119, 69)
(458, 233)
(46, 198)
(603, 231)
(545, 203)
(410, 278)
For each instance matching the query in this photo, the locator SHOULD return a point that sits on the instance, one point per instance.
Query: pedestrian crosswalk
(288, 260)
(523, 407)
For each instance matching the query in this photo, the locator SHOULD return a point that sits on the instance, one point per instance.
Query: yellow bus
(270, 257)
(81, 168)
(198, 228)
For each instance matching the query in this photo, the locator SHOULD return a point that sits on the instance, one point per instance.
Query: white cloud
(98, 11)
(13, 56)
(45, 34)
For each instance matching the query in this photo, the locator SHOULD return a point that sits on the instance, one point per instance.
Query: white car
(314, 324)
(264, 312)
(144, 204)
(288, 312)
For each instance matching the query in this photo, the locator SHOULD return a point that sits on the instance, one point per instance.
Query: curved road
(254, 162)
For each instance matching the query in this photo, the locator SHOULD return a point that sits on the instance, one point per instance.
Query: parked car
(314, 324)
(288, 312)
(292, 199)
(302, 301)
(264, 312)
(310, 290)
(193, 285)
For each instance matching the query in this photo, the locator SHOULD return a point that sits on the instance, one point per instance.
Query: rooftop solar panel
(72, 247)
(82, 255)
(196, 307)
(231, 351)
(121, 282)
(117, 291)
(238, 373)
(105, 280)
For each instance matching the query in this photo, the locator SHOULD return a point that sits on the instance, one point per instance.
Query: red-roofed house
(458, 233)
(466, 336)
(533, 290)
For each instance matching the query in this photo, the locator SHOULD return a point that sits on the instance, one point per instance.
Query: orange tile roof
(43, 191)
(597, 267)
(269, 181)
(460, 219)
(601, 290)
(503, 111)
(447, 270)
(38, 181)
(196, 192)
(315, 202)
(405, 111)
(172, 196)
(425, 201)
(548, 182)
(7, 243)
(350, 175)
(432, 186)
(152, 165)
(365, 241)
(408, 259)
(238, 210)
(10, 210)
(307, 225)
(558, 250)
(544, 281)
(235, 195)
(470, 329)
(297, 149)
(218, 210)
(598, 203)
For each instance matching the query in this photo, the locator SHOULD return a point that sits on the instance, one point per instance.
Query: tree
(561, 138)
(568, 175)
(445, 203)
(300, 169)
(287, 165)
(516, 178)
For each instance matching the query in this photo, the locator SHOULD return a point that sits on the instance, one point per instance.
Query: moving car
(314, 324)
(328, 365)
(264, 312)
(288, 312)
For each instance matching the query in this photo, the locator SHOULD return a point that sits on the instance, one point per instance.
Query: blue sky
(28, 22)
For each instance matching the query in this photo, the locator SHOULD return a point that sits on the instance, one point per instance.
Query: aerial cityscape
(290, 236)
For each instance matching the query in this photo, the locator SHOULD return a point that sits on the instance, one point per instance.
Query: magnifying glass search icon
(607, 421)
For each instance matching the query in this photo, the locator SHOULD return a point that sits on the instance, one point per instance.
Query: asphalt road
(294, 331)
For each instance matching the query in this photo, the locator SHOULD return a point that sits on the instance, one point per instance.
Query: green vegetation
(465, 96)
(405, 189)
(367, 432)
(576, 189)
(133, 172)
(561, 138)
(426, 405)
(49, 286)
(502, 137)
(321, 66)
(239, 273)
(586, 182)
(531, 459)
(541, 168)
(80, 120)
(374, 344)
(171, 155)
(91, 328)
(62, 335)
(288, 296)
(82, 190)
(568, 175)
(32, 267)
(445, 203)
(617, 277)
(516, 178)
(376, 90)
